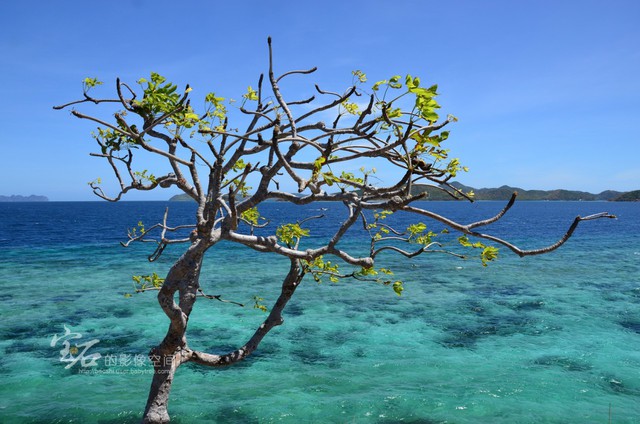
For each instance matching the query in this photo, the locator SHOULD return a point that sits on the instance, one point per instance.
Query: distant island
(505, 192)
(18, 198)
(630, 196)
(181, 198)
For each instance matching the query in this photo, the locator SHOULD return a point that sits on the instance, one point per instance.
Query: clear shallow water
(551, 339)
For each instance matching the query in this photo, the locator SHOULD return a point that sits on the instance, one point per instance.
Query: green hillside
(631, 196)
(505, 192)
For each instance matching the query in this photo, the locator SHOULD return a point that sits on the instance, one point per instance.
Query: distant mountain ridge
(504, 193)
(19, 198)
(630, 196)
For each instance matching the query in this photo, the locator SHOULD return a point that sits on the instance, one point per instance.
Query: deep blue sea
(546, 339)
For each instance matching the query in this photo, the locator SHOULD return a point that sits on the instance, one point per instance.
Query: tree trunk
(156, 410)
(173, 351)
(170, 354)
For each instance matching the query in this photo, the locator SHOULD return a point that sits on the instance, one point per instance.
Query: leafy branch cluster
(285, 143)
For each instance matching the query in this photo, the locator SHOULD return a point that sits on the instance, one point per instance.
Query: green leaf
(367, 271)
(393, 82)
(430, 115)
(351, 108)
(412, 83)
(453, 167)
(258, 304)
(415, 229)
(362, 77)
(143, 176)
(91, 82)
(251, 94)
(329, 178)
(317, 164)
(212, 98)
(291, 233)
(146, 282)
(394, 113)
(157, 78)
(378, 84)
(409, 82)
(382, 215)
(464, 241)
(489, 253)
(251, 215)
(319, 267)
(349, 176)
(239, 165)
(425, 239)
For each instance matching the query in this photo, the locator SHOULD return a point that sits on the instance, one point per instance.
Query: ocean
(545, 339)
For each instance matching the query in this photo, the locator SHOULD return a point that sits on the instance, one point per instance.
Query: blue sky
(547, 92)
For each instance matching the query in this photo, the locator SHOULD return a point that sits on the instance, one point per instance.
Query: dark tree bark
(183, 278)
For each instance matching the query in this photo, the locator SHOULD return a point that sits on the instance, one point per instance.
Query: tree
(285, 143)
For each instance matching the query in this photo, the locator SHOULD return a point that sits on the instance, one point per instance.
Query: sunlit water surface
(547, 339)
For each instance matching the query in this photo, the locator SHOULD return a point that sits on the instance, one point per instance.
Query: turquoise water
(551, 339)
